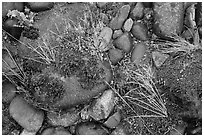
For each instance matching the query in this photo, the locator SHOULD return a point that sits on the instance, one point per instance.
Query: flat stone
(105, 37)
(25, 115)
(138, 52)
(121, 16)
(139, 31)
(168, 18)
(159, 58)
(138, 11)
(128, 25)
(103, 106)
(124, 42)
(113, 120)
(117, 33)
(115, 55)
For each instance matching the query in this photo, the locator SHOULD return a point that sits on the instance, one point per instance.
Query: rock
(113, 120)
(25, 132)
(104, 18)
(124, 42)
(55, 131)
(90, 128)
(128, 25)
(159, 58)
(168, 18)
(117, 33)
(103, 106)
(40, 6)
(117, 22)
(139, 31)
(65, 120)
(8, 91)
(6, 6)
(138, 52)
(101, 4)
(105, 37)
(147, 4)
(25, 115)
(119, 131)
(138, 11)
(115, 55)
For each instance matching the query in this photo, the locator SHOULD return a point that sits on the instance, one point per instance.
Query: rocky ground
(105, 68)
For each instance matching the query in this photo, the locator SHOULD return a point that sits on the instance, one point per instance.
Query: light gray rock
(128, 25)
(25, 115)
(113, 120)
(117, 33)
(138, 11)
(159, 58)
(105, 37)
(25, 132)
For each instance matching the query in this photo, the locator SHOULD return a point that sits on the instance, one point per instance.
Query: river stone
(65, 120)
(128, 25)
(105, 37)
(40, 6)
(124, 42)
(138, 52)
(103, 106)
(8, 91)
(138, 11)
(159, 58)
(168, 18)
(121, 16)
(117, 33)
(90, 128)
(113, 120)
(139, 31)
(115, 55)
(25, 115)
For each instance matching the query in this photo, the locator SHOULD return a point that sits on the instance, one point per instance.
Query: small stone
(40, 6)
(159, 58)
(103, 106)
(8, 92)
(117, 33)
(25, 115)
(139, 31)
(113, 120)
(105, 37)
(101, 4)
(115, 55)
(65, 120)
(138, 12)
(25, 132)
(55, 131)
(128, 24)
(138, 52)
(90, 128)
(117, 22)
(124, 42)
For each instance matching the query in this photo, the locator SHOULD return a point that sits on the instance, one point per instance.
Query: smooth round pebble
(139, 31)
(138, 52)
(138, 11)
(113, 120)
(115, 55)
(128, 25)
(117, 33)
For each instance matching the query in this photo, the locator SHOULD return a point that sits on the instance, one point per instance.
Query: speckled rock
(40, 6)
(124, 42)
(138, 11)
(128, 25)
(168, 18)
(55, 131)
(28, 117)
(138, 52)
(6, 6)
(8, 91)
(159, 58)
(90, 128)
(65, 119)
(103, 106)
(117, 22)
(117, 33)
(105, 37)
(139, 31)
(113, 120)
(115, 55)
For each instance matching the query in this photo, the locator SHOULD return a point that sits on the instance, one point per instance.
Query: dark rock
(137, 12)
(90, 129)
(148, 4)
(101, 4)
(6, 6)
(117, 33)
(8, 92)
(139, 31)
(115, 55)
(113, 120)
(168, 19)
(138, 52)
(124, 42)
(121, 16)
(40, 6)
(198, 14)
(28, 117)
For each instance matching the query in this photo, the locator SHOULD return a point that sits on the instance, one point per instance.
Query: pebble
(40, 6)
(124, 42)
(25, 132)
(6, 6)
(117, 22)
(65, 120)
(138, 52)
(103, 106)
(128, 24)
(105, 37)
(101, 4)
(138, 11)
(159, 58)
(55, 131)
(117, 33)
(139, 31)
(113, 120)
(168, 18)
(25, 115)
(90, 128)
(115, 55)
(8, 91)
